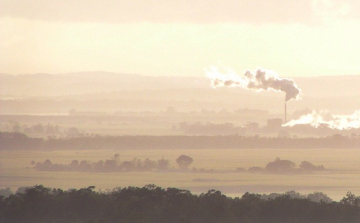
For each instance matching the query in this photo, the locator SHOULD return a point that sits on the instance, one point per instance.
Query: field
(342, 172)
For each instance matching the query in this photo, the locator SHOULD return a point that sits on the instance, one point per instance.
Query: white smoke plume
(260, 80)
(323, 118)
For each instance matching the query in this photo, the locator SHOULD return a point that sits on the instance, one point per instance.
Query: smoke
(324, 118)
(261, 80)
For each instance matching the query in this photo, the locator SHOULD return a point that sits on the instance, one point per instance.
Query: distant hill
(329, 86)
(94, 82)
(105, 91)
(88, 82)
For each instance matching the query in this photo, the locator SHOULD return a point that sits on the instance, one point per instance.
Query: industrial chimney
(285, 114)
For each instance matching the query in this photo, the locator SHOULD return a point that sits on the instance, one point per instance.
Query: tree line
(154, 204)
(19, 141)
(278, 166)
(113, 165)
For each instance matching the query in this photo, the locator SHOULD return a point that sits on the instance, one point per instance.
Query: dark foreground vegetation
(154, 204)
(20, 141)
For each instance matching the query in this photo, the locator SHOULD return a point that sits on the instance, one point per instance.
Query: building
(274, 124)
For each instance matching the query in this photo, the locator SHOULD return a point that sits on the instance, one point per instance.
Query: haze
(306, 38)
(255, 98)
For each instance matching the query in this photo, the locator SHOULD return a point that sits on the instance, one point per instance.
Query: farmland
(341, 174)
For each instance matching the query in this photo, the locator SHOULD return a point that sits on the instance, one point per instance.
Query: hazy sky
(183, 37)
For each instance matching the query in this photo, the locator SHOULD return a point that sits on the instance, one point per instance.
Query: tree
(319, 197)
(38, 128)
(149, 164)
(310, 167)
(74, 164)
(351, 199)
(184, 161)
(280, 166)
(163, 164)
(255, 169)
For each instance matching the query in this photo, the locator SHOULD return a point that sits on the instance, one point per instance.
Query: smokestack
(323, 118)
(260, 80)
(285, 114)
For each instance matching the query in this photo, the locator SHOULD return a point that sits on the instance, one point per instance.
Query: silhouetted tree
(152, 204)
(256, 169)
(163, 164)
(310, 167)
(319, 197)
(14, 140)
(280, 166)
(38, 128)
(184, 161)
(351, 199)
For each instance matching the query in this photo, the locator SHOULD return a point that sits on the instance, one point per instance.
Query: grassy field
(342, 170)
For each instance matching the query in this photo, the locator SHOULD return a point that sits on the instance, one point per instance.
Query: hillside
(111, 92)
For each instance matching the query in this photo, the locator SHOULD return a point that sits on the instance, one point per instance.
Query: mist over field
(85, 113)
(220, 134)
(112, 92)
(180, 111)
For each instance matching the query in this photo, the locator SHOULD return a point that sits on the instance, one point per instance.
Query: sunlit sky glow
(314, 37)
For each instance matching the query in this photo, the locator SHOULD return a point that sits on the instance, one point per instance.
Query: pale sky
(183, 37)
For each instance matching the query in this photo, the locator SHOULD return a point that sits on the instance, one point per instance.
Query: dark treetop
(157, 205)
